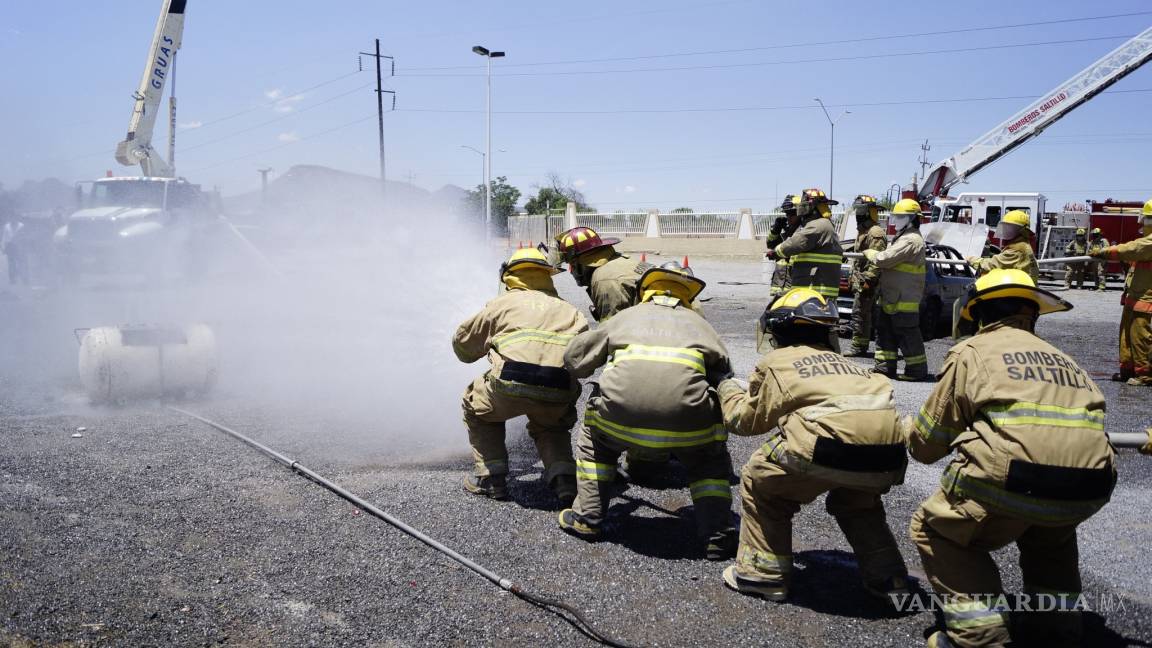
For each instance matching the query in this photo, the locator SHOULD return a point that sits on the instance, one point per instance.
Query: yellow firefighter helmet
(1001, 283)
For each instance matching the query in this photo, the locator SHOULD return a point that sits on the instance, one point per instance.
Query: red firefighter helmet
(580, 240)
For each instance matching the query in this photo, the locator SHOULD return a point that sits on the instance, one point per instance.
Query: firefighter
(901, 286)
(1136, 320)
(656, 393)
(1032, 462)
(839, 434)
(609, 277)
(813, 249)
(1098, 268)
(1015, 231)
(1078, 246)
(611, 280)
(523, 332)
(865, 274)
(783, 227)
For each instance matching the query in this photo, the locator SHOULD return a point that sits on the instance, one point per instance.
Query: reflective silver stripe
(930, 430)
(847, 403)
(688, 357)
(592, 471)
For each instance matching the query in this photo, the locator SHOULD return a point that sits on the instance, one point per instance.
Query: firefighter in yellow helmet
(609, 276)
(1078, 246)
(783, 227)
(1136, 319)
(1098, 268)
(1015, 230)
(657, 392)
(813, 249)
(901, 290)
(1032, 462)
(523, 332)
(865, 274)
(834, 429)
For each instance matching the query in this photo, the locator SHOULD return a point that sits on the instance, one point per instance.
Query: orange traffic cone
(685, 264)
(643, 257)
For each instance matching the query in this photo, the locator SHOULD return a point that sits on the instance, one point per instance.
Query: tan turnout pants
(955, 538)
(771, 496)
(708, 467)
(1135, 344)
(549, 425)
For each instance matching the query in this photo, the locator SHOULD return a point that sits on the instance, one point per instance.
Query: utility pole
(264, 185)
(380, 114)
(924, 148)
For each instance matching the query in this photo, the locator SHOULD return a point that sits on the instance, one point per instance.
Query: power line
(276, 101)
(830, 59)
(274, 120)
(276, 148)
(742, 50)
(903, 102)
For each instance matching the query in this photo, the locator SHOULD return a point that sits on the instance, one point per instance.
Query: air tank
(121, 363)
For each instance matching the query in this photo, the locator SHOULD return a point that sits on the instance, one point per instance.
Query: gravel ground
(152, 529)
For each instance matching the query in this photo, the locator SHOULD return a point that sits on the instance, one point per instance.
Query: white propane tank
(118, 363)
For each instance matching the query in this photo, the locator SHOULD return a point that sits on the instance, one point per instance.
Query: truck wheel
(930, 318)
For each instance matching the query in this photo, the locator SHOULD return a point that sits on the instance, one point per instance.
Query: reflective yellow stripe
(710, 488)
(1035, 508)
(1024, 413)
(885, 356)
(764, 562)
(971, 614)
(827, 291)
(813, 257)
(592, 471)
(901, 307)
(530, 335)
(916, 359)
(910, 268)
(676, 355)
(655, 438)
(930, 430)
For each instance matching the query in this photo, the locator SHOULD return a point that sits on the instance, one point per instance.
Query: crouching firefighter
(1032, 462)
(838, 433)
(523, 332)
(656, 393)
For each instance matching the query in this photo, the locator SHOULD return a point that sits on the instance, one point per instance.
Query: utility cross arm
(137, 145)
(1031, 121)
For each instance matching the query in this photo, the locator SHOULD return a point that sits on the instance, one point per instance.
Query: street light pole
(489, 55)
(832, 142)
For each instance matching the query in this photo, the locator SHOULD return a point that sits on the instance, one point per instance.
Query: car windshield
(140, 194)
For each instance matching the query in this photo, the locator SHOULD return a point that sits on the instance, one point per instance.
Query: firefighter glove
(1147, 447)
(779, 224)
(870, 254)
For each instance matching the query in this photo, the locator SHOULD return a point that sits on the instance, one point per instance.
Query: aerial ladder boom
(1032, 121)
(137, 145)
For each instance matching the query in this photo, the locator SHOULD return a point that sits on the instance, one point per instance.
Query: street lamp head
(496, 55)
(482, 51)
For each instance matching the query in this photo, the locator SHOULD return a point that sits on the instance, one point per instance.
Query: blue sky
(274, 84)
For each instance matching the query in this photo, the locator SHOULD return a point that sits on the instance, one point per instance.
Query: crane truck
(965, 220)
(140, 226)
(961, 225)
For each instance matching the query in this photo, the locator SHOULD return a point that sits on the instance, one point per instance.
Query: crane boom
(1031, 121)
(137, 145)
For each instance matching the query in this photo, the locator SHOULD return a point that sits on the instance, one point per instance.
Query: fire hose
(577, 619)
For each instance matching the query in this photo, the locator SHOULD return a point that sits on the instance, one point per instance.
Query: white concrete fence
(741, 224)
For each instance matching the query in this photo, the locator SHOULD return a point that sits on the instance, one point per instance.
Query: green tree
(504, 197)
(554, 195)
(683, 210)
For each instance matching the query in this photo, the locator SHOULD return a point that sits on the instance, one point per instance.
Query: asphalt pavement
(152, 529)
